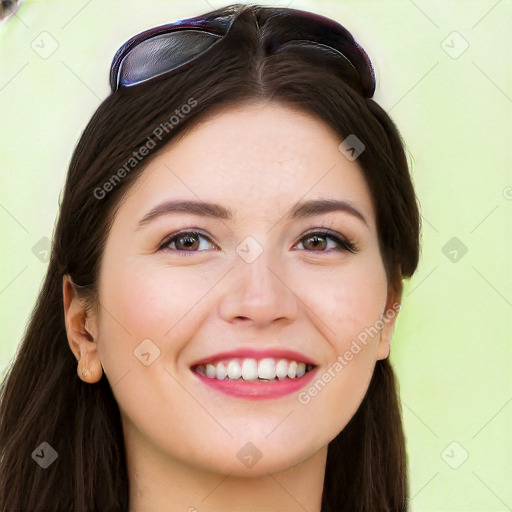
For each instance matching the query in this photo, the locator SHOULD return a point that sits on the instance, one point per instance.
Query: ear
(81, 331)
(389, 316)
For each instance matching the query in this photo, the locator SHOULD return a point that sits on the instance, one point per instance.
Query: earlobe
(389, 316)
(80, 336)
(385, 339)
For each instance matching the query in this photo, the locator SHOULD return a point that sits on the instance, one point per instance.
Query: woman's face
(254, 286)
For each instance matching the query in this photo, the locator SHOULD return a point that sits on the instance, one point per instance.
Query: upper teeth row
(251, 369)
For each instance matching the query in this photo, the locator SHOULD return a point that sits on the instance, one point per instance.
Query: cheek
(351, 308)
(152, 301)
(354, 301)
(151, 298)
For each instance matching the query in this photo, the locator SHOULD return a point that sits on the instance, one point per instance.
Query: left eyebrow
(206, 209)
(318, 206)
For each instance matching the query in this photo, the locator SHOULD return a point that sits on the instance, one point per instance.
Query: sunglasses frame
(301, 27)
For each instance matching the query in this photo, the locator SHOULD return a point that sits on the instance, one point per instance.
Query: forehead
(258, 157)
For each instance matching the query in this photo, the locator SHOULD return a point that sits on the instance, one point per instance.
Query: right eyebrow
(200, 208)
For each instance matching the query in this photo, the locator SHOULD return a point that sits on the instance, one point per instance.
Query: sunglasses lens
(162, 54)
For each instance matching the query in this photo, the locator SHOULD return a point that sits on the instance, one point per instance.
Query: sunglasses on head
(171, 47)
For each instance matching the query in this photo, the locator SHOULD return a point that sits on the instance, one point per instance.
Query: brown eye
(186, 241)
(318, 242)
(315, 243)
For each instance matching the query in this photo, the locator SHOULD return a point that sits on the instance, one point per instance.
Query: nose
(259, 292)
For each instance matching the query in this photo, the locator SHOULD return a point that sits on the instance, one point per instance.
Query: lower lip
(258, 390)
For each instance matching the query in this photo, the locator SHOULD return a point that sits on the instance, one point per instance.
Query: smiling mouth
(254, 370)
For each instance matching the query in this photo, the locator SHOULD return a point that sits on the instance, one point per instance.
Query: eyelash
(344, 244)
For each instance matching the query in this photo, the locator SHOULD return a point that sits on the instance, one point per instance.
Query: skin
(182, 437)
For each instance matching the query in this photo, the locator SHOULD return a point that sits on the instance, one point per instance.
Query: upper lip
(245, 353)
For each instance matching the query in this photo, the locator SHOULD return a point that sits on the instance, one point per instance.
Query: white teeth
(250, 369)
(282, 369)
(292, 369)
(234, 370)
(210, 371)
(266, 369)
(221, 371)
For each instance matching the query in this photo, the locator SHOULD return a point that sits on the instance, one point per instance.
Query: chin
(258, 458)
(261, 467)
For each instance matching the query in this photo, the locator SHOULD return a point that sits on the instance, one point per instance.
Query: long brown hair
(42, 398)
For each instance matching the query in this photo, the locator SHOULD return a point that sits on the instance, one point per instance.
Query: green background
(452, 347)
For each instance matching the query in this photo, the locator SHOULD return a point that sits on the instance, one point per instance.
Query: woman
(226, 270)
